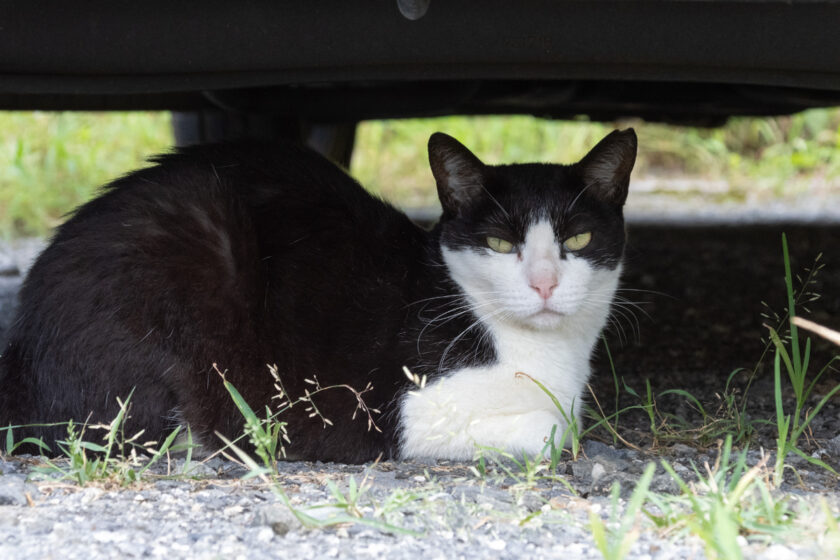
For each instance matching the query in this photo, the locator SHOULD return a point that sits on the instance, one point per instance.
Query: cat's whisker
(618, 328)
(480, 320)
(627, 304)
(640, 301)
(452, 297)
(462, 309)
(619, 314)
(632, 322)
(446, 296)
(451, 314)
(643, 291)
(631, 308)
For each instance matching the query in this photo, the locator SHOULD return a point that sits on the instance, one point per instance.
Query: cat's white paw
(519, 434)
(460, 438)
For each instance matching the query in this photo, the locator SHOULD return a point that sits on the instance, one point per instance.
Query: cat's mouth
(546, 317)
(547, 312)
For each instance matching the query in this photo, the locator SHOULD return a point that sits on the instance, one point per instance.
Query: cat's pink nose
(544, 285)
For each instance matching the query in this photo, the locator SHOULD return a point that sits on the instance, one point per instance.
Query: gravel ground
(452, 512)
(704, 287)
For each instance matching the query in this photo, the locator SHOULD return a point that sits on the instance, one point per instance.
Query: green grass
(729, 500)
(615, 537)
(115, 456)
(52, 162)
(772, 155)
(796, 360)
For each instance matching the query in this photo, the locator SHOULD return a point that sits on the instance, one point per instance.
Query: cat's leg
(456, 416)
(527, 433)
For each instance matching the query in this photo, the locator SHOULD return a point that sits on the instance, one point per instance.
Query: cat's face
(537, 245)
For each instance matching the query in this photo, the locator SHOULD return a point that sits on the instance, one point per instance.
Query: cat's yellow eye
(499, 245)
(578, 242)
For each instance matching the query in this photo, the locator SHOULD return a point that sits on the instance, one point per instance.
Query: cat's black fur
(245, 256)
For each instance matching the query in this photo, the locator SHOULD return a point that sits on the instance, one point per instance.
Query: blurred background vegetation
(52, 162)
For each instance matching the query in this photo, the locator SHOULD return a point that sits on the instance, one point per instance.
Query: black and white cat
(249, 255)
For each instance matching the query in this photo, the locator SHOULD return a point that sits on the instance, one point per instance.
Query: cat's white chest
(500, 406)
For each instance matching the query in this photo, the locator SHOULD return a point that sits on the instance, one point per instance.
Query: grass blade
(167, 443)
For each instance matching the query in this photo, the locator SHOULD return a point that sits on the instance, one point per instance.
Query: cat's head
(534, 244)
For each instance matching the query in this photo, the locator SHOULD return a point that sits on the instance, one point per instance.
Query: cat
(230, 258)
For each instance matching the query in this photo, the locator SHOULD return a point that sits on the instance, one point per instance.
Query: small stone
(564, 467)
(683, 450)
(89, 495)
(265, 534)
(778, 552)
(604, 484)
(493, 498)
(8, 266)
(8, 467)
(425, 461)
(594, 448)
(169, 485)
(598, 471)
(496, 544)
(231, 510)
(210, 468)
(8, 518)
(210, 494)
(664, 484)
(832, 446)
(582, 469)
(278, 517)
(109, 536)
(13, 490)
(531, 501)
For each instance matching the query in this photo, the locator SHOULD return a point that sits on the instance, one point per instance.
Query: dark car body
(331, 61)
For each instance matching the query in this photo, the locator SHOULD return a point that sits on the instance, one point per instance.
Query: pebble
(682, 450)
(497, 544)
(7, 467)
(277, 517)
(582, 470)
(778, 552)
(593, 448)
(531, 501)
(833, 446)
(598, 471)
(13, 490)
(665, 484)
(8, 267)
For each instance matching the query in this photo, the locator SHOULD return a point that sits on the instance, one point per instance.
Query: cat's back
(199, 183)
(202, 251)
(198, 222)
(225, 202)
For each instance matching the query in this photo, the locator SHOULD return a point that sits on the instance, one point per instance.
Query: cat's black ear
(606, 168)
(458, 173)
